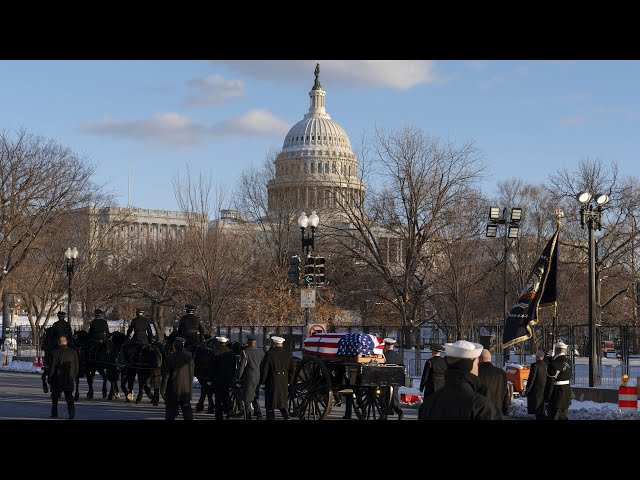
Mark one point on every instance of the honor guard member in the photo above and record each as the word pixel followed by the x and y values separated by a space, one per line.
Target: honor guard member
pixel 141 328
pixel 98 327
pixel 190 326
pixel 536 384
pixel 248 375
pixel 276 374
pixel 59 327
pixel 177 381
pixel 433 374
pixel 62 374
pixel 460 398
pixel 391 356
pixel 224 369
pixel 558 388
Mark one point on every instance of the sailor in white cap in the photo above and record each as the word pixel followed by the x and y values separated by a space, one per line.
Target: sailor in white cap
pixel 558 388
pixel 276 373
pixel 224 366
pixel 393 357
pixel 460 398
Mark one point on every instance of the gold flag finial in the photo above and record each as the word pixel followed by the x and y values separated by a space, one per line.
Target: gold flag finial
pixel 559 214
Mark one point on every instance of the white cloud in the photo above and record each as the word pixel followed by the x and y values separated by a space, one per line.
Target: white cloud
pixel 178 130
pixel 397 74
pixel 213 90
pixel 254 122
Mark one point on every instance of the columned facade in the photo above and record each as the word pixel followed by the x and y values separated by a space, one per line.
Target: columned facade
pixel 316 169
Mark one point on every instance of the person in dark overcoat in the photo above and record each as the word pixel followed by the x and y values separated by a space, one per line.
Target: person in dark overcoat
pixel 62 374
pixel 276 374
pixel 98 327
pixel 190 326
pixel 58 328
pixel 534 392
pixel 558 387
pixel 392 356
pixel 460 398
pixel 493 382
pixel 224 368
pixel 248 375
pixel 177 381
pixel 433 374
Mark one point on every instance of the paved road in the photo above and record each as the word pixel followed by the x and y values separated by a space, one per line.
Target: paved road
pixel 21 397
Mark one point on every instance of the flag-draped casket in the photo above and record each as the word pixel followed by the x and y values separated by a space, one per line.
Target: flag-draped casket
pixel 341 345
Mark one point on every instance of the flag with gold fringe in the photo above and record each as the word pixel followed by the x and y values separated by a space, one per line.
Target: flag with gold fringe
pixel 539 291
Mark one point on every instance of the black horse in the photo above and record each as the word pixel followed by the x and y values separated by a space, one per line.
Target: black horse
pixel 146 363
pixel 96 357
pixel 203 370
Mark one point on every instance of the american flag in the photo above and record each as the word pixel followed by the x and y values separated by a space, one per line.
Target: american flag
pixel 343 344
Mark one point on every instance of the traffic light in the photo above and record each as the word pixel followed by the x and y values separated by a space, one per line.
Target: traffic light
pixel 294 270
pixel 309 270
pixel 318 270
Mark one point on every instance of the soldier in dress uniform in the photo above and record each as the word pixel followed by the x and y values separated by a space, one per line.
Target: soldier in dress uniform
pixel 248 374
pixel 276 374
pixel 61 327
pixel 177 381
pixel 190 326
pixel 98 327
pixel 391 356
pixel 224 367
pixel 433 374
pixel 142 335
pixel 558 388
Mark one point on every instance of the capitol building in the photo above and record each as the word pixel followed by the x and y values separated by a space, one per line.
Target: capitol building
pixel 316 169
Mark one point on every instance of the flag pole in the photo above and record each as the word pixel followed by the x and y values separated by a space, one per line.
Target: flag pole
pixel 554 331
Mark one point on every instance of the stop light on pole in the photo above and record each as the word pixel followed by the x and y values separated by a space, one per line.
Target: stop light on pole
pixel 309 270
pixel 294 270
pixel 318 270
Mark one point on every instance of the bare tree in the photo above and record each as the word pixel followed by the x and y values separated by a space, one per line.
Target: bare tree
pixel 421 180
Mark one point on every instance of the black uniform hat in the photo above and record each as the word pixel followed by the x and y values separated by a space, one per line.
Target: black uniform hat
pixel 250 336
pixel 179 340
pixel 140 310
pixel 437 347
pixel 62 314
pixel 189 308
pixel 98 313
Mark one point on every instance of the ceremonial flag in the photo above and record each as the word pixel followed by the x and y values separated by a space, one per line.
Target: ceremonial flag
pixel 539 291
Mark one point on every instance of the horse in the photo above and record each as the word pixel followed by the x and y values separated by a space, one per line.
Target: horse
pixel 95 357
pixel 203 370
pixel 146 363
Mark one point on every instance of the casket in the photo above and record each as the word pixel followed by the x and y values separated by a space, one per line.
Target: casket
pixel 357 347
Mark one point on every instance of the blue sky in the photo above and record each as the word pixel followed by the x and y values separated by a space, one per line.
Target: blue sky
pixel 529 118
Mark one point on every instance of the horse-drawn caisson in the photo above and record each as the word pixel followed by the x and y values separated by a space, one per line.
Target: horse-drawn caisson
pixel 345 364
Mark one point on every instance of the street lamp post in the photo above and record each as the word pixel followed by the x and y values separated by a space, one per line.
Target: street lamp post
pixel 512 227
pixel 70 254
pixel 307 241
pixel 591 216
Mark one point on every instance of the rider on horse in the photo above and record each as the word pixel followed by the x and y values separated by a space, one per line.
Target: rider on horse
pixel 98 333
pixel 142 335
pixel 190 328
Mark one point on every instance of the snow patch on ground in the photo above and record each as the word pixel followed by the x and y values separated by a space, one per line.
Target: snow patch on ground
pixel 586 410
pixel 20 366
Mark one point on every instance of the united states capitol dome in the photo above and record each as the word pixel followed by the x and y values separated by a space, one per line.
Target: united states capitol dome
pixel 316 169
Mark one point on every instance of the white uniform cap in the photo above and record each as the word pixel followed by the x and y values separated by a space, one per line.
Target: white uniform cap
pixel 275 339
pixel 222 339
pixel 561 345
pixel 463 349
pixel 389 341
